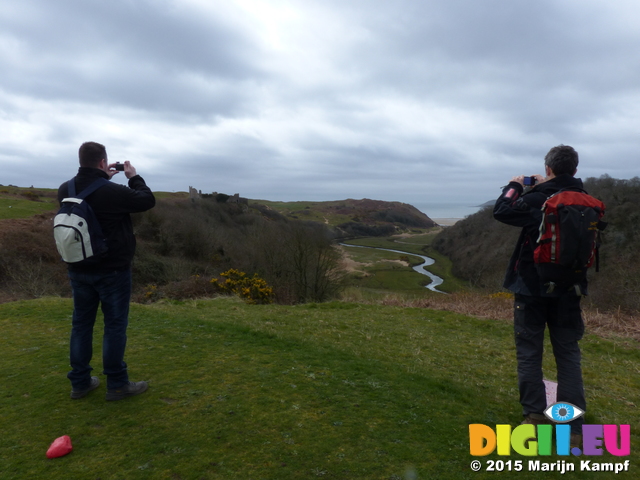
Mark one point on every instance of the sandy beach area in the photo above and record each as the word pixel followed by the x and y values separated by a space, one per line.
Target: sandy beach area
pixel 446 222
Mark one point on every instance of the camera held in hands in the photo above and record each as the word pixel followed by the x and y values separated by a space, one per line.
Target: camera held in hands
pixel 119 167
pixel 529 181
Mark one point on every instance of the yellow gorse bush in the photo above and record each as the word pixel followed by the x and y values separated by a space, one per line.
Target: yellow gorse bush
pixel 502 295
pixel 151 293
pixel 254 289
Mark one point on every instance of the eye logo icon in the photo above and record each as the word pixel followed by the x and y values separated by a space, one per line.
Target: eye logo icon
pixel 563 412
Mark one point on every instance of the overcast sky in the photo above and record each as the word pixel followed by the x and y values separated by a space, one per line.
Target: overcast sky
pixel 436 103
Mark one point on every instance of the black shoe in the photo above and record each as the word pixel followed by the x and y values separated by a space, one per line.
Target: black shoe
pixel 128 390
pixel 76 394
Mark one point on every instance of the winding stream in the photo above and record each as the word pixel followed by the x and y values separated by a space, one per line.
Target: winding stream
pixel 436 281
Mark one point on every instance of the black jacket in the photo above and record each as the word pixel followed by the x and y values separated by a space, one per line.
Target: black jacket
pixel 525 210
pixel 113 204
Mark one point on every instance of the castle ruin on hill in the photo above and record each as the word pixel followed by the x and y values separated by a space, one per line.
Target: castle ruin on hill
pixel 218 197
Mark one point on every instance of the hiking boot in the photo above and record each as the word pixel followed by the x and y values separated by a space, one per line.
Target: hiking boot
pixel 128 390
pixel 576 440
pixel 76 394
pixel 536 419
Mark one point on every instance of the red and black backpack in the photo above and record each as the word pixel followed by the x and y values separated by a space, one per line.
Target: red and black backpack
pixel 569 238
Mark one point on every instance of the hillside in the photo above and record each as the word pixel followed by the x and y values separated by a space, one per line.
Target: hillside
pixel 348 217
pixel 290 246
pixel 363 217
pixel 287 244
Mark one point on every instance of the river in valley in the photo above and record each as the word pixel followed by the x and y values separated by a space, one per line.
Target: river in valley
pixel 436 281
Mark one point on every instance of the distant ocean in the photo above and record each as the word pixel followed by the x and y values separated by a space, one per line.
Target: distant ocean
pixel 446 210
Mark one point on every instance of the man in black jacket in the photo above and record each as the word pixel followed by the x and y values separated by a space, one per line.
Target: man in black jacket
pixel 535 306
pixel 106 281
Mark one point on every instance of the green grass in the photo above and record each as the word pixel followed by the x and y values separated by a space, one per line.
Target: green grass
pixel 337 390
pixel 14 207
pixel 314 211
pixel 19 202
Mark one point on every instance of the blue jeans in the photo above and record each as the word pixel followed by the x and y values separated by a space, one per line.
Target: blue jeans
pixel 112 290
pixel 563 316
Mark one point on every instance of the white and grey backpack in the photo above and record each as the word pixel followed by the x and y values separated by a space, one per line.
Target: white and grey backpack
pixel 78 234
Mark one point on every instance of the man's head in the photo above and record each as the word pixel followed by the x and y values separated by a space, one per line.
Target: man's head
pixel 562 159
pixel 92 154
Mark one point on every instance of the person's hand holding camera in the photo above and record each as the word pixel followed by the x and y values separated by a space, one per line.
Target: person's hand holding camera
pixel 129 170
pixel 126 167
pixel 526 181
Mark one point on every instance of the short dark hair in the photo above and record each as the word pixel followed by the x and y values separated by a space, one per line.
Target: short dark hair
pixel 562 159
pixel 91 153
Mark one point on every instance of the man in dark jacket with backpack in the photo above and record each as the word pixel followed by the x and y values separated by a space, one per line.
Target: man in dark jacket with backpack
pixel 536 304
pixel 105 279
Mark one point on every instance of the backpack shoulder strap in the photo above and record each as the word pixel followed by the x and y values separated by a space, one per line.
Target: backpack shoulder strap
pixel 87 191
pixel 71 187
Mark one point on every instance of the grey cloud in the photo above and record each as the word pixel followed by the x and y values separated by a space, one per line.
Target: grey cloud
pixel 146 55
pixel 142 32
pixel 546 64
pixel 427 101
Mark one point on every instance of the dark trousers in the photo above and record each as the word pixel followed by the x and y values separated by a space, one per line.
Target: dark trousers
pixel 564 318
pixel 112 291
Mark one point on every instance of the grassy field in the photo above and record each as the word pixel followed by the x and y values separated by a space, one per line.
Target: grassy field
pixel 18 202
pixel 336 390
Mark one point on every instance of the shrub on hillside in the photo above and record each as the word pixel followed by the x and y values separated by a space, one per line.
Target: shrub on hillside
pixel 31 195
pixel 30 265
pixel 404 218
pixel 179 239
pixel 252 289
pixel 479 248
pixel 356 229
